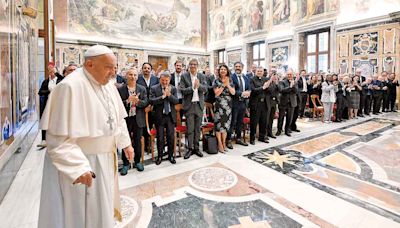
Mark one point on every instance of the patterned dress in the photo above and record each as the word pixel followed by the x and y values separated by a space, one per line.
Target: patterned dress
pixel 222 109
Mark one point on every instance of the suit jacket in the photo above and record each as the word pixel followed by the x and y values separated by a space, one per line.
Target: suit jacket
pixel 44 92
pixel 272 95
pixel 140 106
pixel 187 90
pixel 250 75
pixel 238 95
pixel 257 91
pixel 210 96
pixel 156 93
pixel 288 95
pixel 153 81
pixel 300 85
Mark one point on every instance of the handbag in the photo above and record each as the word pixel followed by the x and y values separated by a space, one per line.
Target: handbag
pixel 210 144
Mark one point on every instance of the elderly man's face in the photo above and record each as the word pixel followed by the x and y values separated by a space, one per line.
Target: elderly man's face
pixel 289 75
pixel 102 67
pixel 164 81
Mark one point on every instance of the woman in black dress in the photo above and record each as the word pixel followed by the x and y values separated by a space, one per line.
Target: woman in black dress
pixel 224 90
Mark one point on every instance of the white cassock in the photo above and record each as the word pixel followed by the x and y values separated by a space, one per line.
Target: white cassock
pixel 80 139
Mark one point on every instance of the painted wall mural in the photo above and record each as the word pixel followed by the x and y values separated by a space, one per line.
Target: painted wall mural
pixel 281 11
pixel 312 7
pixel 257 11
pixel 236 22
pixel 170 21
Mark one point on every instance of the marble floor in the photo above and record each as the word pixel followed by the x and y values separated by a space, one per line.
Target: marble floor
pixel 329 175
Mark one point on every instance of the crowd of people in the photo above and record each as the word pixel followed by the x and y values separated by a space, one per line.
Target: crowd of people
pixel 258 96
pixel 91 112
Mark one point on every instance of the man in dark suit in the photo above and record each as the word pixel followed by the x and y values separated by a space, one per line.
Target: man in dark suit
pixel 340 98
pixel 258 106
pixel 303 91
pixel 163 97
pixel 393 83
pixel 377 94
pixel 44 92
pixel 271 98
pixel 147 80
pixel 134 97
pixel 193 87
pixel 363 95
pixel 385 94
pixel 176 79
pixel 242 88
pixel 287 103
pixel 252 72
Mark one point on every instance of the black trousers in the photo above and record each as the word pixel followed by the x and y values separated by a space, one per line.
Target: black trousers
pixel 362 103
pixel 293 125
pixel 238 112
pixel 285 112
pixel 270 118
pixel 368 103
pixel 377 102
pixel 385 101
pixel 303 101
pixel 135 132
pixel 166 123
pixel 258 117
pixel 339 107
pixel 392 100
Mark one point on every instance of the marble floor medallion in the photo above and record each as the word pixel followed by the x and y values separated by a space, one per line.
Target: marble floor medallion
pixel 213 179
pixel 129 208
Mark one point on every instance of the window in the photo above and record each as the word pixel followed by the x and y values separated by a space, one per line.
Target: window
pixel 221 56
pixel 259 54
pixel 318 51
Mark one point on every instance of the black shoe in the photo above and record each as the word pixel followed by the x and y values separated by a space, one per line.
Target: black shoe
pixel 296 130
pixel 252 142
pixel 240 142
pixel 361 115
pixel 278 133
pixel 290 131
pixel 229 144
pixel 159 160
pixel 263 140
pixel 124 170
pixel 198 152
pixel 188 154
pixel 172 160
pixel 288 134
pixel 272 136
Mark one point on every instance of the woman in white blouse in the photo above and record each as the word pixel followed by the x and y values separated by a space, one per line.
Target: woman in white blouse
pixel 328 97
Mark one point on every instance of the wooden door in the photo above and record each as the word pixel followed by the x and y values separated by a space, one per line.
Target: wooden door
pixel 159 63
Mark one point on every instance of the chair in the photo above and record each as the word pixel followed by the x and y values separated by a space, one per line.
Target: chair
pixel 151 131
pixel 318 110
pixel 246 127
pixel 180 129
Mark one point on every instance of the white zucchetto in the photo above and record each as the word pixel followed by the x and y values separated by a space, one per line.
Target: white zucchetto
pixel 97 50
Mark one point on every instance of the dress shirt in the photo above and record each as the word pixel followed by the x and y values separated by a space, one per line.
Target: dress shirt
pixel 52 83
pixel 195 97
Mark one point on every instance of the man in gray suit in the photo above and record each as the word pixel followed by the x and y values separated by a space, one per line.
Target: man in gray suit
pixel 193 87
pixel 287 103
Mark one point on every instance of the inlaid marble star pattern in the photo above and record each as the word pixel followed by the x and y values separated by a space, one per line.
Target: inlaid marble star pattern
pixel 277 158
pixel 369 147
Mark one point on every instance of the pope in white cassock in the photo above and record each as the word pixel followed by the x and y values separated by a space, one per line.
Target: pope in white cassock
pixel 85 124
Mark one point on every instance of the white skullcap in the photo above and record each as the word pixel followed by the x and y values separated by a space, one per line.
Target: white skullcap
pixel 97 50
